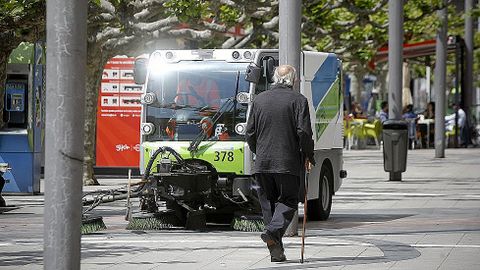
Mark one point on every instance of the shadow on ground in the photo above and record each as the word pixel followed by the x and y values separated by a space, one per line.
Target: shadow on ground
pixel 342 221
pixel 392 251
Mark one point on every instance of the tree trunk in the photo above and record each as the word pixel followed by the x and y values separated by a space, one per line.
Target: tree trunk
pixel 382 84
pixel 95 63
pixel 406 92
pixel 359 74
pixel 4 54
pixel 3 77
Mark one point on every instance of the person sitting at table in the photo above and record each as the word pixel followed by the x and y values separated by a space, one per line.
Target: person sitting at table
pixel 427 127
pixel 411 119
pixel 357 110
pixel 430 111
pixel 408 112
pixel 383 115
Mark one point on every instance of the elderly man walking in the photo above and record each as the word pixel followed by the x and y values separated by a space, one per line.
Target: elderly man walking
pixel 280 134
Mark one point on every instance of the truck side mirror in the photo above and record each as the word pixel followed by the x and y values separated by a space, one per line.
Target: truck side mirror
pixel 140 70
pixel 253 74
pixel 269 68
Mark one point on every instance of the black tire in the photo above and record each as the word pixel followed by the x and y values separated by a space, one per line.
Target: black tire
pixel 319 209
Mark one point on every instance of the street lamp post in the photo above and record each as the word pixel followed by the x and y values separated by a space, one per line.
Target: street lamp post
pixel 395 70
pixel 66 64
pixel 470 96
pixel 440 82
pixel 290 12
pixel 395 58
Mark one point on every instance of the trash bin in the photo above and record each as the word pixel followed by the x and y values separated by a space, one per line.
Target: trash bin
pixel 395 147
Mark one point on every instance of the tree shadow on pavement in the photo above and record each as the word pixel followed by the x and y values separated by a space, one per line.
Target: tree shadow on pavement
pixel 21 258
pixel 392 251
pixel 342 221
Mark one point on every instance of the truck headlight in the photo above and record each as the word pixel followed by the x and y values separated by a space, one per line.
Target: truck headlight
pixel 236 55
pixel 169 55
pixel 240 128
pixel 156 55
pixel 147 128
pixel 148 98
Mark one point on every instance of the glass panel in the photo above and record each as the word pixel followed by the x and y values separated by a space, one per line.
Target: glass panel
pixel 190 94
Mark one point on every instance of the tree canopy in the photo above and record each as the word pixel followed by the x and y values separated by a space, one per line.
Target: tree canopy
pixel 354 29
pixel 138 26
pixel 20 20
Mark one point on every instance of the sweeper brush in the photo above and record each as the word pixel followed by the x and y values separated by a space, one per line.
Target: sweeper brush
pixel 156 221
pixel 248 223
pixel 185 193
pixel 91 224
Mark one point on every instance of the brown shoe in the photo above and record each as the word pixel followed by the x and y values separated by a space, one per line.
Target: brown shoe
pixel 268 238
pixel 277 253
pixel 275 247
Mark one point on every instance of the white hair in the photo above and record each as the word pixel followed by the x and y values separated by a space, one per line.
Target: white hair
pixel 284 75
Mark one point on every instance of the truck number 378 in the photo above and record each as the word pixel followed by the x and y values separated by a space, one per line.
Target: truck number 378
pixel 224 155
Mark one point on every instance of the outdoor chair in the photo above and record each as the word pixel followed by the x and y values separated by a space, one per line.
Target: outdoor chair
pixel 353 133
pixel 450 137
pixel 412 132
pixel 347 134
pixel 373 130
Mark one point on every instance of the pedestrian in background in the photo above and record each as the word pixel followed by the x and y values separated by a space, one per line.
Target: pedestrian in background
pixel 463 138
pixel 450 119
pixel 279 133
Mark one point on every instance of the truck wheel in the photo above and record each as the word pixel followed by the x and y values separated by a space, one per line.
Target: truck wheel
pixel 319 209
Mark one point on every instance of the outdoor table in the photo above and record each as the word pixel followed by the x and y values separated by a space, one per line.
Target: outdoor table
pixel 427 122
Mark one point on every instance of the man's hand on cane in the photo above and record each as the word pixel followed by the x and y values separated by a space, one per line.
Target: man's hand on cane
pixel 308 165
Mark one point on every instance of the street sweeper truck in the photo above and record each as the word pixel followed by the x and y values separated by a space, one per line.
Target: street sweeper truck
pixel 196 164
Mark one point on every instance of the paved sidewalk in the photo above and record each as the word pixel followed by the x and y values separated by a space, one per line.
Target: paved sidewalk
pixel 430 220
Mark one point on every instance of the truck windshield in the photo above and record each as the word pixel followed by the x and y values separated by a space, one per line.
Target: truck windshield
pixel 189 95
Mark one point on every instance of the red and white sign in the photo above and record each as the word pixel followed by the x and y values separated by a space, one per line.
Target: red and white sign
pixel 118 116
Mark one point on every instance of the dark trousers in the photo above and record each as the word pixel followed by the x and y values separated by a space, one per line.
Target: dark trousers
pixel 278 195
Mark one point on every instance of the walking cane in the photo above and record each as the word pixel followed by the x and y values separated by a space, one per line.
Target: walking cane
pixel 304 214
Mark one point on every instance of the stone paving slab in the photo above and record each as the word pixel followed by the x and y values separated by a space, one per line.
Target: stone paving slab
pixel 461 258
pixel 430 220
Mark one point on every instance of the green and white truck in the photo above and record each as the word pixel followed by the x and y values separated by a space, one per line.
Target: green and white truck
pixel 194 112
